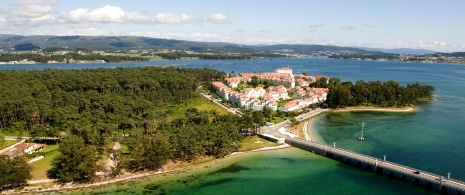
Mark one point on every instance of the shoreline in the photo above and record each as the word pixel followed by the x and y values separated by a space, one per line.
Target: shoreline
pixel 311 133
pixel 308 130
pixel 135 176
pixel 375 109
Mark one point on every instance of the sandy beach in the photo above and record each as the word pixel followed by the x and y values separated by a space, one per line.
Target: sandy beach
pixel 312 132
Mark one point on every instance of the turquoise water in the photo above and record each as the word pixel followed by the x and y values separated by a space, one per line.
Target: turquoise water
pixel 289 171
pixel 431 139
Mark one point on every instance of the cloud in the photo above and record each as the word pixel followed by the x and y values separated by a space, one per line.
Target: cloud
pixel 315 27
pixel 218 18
pixel 106 14
pixel 29 8
pixel 264 31
pixel 240 31
pixel 23 13
pixel 174 19
pixel 348 28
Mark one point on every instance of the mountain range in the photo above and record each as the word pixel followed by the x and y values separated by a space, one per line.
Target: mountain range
pixel 117 43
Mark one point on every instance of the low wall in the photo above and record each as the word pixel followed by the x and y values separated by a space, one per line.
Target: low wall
pixel 272 138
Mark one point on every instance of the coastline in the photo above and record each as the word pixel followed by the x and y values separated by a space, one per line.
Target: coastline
pixel 308 130
pixel 311 132
pixel 375 109
pixel 134 177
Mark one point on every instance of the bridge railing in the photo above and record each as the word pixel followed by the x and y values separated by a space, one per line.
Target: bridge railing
pixel 328 148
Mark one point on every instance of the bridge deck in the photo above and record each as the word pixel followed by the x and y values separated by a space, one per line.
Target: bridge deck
pixel 375 162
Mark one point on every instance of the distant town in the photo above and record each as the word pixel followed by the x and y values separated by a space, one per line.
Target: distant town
pixel 61 55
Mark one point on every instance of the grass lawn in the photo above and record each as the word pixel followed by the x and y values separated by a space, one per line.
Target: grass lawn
pixel 14 133
pixel 8 143
pixel 200 103
pixel 40 167
pixel 277 120
pixel 255 142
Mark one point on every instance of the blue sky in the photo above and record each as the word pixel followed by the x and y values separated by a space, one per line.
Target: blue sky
pixel 427 24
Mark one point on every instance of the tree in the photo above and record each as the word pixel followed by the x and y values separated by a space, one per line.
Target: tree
pixel 75 163
pixel 334 81
pixel 294 121
pixel 257 118
pixel 2 139
pixel 14 172
pixel 151 153
pixel 254 81
pixel 304 73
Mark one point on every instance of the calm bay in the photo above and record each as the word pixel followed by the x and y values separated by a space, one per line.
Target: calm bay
pixel 431 139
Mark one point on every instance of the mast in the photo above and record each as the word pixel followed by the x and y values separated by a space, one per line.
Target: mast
pixel 361 138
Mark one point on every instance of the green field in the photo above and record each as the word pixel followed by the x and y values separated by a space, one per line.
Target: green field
pixel 255 142
pixel 39 168
pixel 7 143
pixel 14 133
pixel 200 103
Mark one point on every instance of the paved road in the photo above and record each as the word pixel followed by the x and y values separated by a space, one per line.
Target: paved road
pixel 274 129
pixel 40 181
pixel 229 109
pixel 15 138
pixel 23 137
pixel 310 114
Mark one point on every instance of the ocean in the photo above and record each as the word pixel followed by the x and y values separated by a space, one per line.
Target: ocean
pixel 431 139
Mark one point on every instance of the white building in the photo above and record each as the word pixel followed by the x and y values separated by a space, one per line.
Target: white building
pixel 284 70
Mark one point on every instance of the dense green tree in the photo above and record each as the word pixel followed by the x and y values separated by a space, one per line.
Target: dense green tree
pixel 320 83
pixel 257 118
pixel 99 105
pixel 14 172
pixel 254 81
pixel 333 81
pixel 151 153
pixel 376 93
pixel 75 163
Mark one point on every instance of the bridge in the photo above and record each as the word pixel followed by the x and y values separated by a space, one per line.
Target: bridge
pixel 381 166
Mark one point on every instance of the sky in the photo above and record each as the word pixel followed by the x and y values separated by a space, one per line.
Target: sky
pixel 437 25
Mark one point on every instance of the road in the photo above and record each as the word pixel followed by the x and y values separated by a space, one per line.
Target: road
pixel 23 137
pixel 229 109
pixel 386 165
pixel 310 114
pixel 274 129
pixel 401 169
pixel 15 138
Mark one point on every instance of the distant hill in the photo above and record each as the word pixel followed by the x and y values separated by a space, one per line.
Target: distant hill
pixel 307 49
pixel 112 43
pixel 117 43
pixel 400 51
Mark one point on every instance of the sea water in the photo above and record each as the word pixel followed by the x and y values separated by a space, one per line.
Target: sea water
pixel 286 171
pixel 431 139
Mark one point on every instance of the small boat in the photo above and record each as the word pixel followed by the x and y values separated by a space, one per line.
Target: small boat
pixel 361 138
